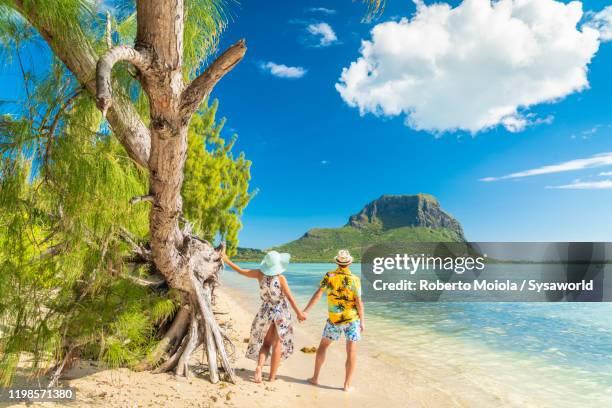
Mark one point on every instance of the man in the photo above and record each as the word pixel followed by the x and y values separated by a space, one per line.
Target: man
pixel 345 309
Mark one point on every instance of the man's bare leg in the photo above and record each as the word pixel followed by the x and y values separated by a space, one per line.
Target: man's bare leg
pixel 351 361
pixel 319 360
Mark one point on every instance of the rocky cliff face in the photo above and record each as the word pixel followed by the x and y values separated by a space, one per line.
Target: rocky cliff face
pixel 395 211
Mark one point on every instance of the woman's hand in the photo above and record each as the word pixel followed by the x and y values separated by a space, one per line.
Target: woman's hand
pixel 301 316
pixel 224 257
pixel 362 326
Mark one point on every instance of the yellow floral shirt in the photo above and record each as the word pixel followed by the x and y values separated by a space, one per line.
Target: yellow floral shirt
pixel 342 288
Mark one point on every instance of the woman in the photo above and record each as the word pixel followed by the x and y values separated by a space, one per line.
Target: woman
pixel 272 328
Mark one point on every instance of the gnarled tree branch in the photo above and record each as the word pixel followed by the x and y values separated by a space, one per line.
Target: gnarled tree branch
pixel 76 52
pixel 139 250
pixel 105 66
pixel 149 198
pixel 156 282
pixel 54 124
pixel 109 31
pixel 200 88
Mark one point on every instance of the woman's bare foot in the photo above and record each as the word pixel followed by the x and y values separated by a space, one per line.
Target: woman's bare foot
pixel 258 374
pixel 313 381
pixel 348 388
pixel 271 379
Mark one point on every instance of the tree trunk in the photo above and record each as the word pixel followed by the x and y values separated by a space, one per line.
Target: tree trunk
pixel 186 262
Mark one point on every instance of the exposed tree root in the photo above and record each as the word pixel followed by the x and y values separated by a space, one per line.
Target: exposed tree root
pixel 171 362
pixel 171 340
pixel 211 354
pixel 182 368
pixel 59 369
pixel 199 276
pixel 204 296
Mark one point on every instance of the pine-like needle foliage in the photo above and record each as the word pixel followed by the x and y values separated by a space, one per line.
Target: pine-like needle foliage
pixel 215 191
pixel 67 268
pixel 64 269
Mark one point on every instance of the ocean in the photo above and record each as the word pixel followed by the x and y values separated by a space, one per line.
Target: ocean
pixel 527 354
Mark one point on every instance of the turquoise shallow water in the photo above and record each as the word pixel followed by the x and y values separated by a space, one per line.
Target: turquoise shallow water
pixel 531 354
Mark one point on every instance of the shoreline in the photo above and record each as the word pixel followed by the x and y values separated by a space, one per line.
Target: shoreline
pixel 416 378
pixel 375 380
pixel 441 369
pixel 397 384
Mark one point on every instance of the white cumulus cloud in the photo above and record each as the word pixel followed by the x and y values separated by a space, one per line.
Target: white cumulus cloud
pixel 323 10
pixel 586 185
pixel 324 33
pixel 602 22
pixel 599 160
pixel 282 70
pixel 471 67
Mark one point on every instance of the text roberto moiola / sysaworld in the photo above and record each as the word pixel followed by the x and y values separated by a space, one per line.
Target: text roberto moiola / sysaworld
pixel 411 264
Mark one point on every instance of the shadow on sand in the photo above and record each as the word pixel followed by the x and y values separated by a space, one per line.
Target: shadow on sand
pixel 247 375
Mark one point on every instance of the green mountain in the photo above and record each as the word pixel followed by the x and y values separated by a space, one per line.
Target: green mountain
pixel 390 218
pixel 248 255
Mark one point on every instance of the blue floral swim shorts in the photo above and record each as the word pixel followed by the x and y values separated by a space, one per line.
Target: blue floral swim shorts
pixel 352 331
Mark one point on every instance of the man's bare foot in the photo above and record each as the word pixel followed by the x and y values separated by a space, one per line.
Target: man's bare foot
pixel 313 381
pixel 348 388
pixel 258 374
pixel 271 379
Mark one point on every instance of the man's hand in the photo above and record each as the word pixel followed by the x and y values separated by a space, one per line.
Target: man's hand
pixel 362 326
pixel 302 316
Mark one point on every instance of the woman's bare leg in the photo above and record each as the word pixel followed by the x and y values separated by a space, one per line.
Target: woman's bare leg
pixel 277 351
pixel 263 352
pixel 260 363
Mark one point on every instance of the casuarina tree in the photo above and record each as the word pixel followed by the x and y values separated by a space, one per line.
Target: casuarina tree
pixel 157 142
pixel 186 262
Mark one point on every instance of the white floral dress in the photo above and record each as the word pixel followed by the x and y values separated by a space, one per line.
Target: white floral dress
pixel 274 309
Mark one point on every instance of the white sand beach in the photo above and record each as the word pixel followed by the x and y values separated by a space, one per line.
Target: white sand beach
pixel 376 382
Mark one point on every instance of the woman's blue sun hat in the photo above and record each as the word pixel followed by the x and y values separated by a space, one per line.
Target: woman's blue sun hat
pixel 274 263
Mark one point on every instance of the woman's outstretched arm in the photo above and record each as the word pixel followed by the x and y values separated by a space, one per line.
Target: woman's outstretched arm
pixel 249 273
pixel 287 292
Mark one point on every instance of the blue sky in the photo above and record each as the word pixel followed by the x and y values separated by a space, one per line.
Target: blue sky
pixel 317 160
